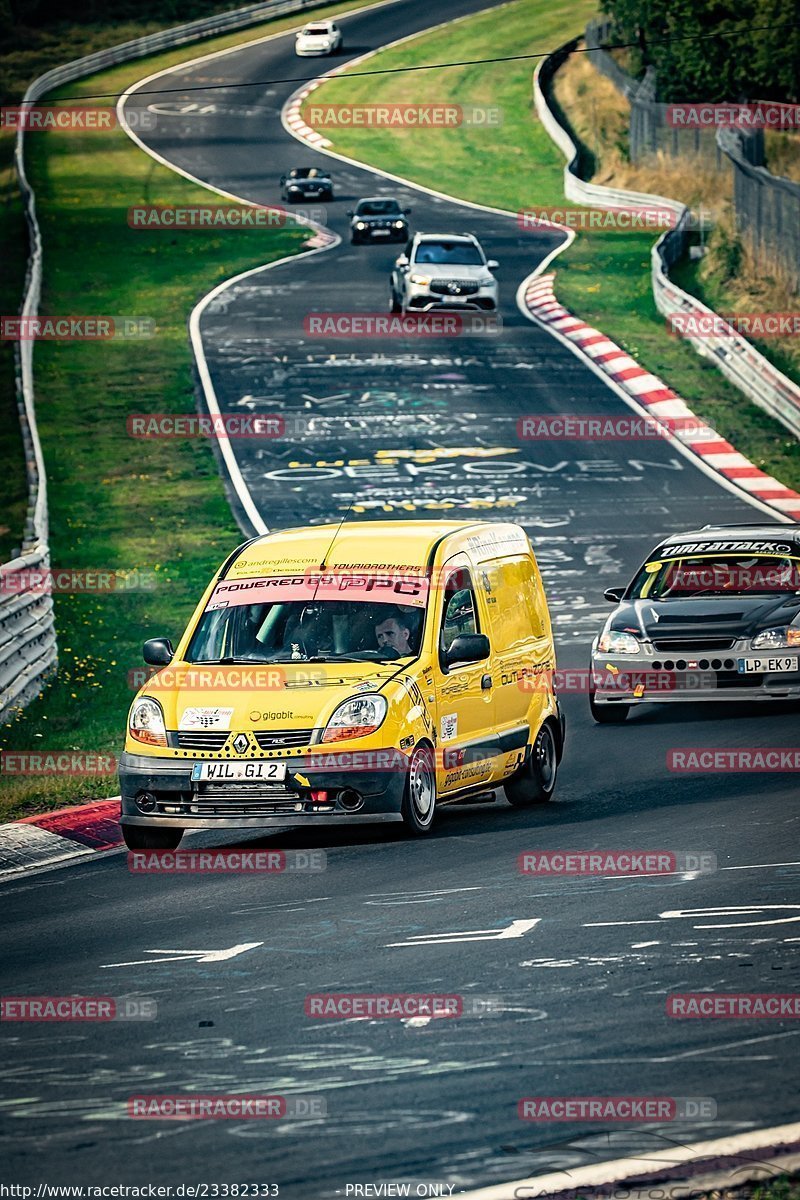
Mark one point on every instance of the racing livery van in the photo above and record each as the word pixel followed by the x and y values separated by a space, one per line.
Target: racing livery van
pixel 360 673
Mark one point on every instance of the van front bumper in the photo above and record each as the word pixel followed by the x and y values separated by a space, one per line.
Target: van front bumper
pixel 172 800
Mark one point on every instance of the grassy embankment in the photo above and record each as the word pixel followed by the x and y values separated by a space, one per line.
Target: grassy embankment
pixel 604 277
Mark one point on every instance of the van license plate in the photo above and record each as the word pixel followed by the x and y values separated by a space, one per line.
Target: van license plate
pixel 770 666
pixel 213 771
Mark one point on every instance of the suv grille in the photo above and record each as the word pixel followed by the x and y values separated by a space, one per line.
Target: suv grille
pixel 454 287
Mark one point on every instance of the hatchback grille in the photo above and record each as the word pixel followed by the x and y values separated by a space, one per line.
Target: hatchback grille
pixel 693 645
pixel 278 739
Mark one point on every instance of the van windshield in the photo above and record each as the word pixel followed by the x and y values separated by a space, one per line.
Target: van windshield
pixel 294 619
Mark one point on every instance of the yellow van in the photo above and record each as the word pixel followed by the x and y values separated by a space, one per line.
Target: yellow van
pixel 366 672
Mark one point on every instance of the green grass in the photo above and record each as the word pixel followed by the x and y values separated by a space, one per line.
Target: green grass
pixel 116 502
pixel 604 277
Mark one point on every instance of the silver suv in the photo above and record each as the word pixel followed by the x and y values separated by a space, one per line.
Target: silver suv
pixel 443 270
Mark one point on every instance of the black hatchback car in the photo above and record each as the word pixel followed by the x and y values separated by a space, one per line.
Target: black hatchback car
pixel 306 183
pixel 379 219
pixel 712 614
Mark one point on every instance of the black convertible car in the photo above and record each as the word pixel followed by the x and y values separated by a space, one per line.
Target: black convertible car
pixel 712 614
pixel 306 183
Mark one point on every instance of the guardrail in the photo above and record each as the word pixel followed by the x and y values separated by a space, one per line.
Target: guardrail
pixel 28 649
pixel 736 358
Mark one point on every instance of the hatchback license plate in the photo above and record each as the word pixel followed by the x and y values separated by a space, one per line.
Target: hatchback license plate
pixel 769 666
pixel 208 772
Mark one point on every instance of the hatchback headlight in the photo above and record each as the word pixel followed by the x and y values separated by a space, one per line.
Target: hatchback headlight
pixel 361 224
pixel 146 722
pixel 487 281
pixel 778 638
pixel 613 641
pixel 422 280
pixel 356 718
pixel 399 224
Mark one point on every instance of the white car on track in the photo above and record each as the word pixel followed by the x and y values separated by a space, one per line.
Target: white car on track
pixel 317 38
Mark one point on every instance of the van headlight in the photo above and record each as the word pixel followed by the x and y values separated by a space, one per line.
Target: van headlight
pixel 778 639
pixel 146 722
pixel 421 280
pixel 613 641
pixel 356 718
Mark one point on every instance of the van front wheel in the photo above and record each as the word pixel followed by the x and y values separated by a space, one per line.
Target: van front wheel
pixel 419 798
pixel 535 783
pixel 144 837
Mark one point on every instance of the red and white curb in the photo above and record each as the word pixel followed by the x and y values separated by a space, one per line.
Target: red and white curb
pixel 678 1171
pixel 293 118
pixel 59 837
pixel 657 400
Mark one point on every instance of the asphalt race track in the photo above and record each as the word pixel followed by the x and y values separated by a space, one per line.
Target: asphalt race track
pixel 399 429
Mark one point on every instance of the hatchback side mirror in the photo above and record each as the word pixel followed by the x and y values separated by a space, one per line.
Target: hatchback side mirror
pixel 350 212
pixel 158 652
pixel 467 648
pixel 614 595
pixel 408 211
pixel 402 261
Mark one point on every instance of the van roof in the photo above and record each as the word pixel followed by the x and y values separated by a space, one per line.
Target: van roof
pixel 358 545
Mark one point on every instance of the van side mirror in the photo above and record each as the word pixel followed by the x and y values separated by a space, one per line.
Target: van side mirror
pixel 408 211
pixel 158 652
pixel 614 595
pixel 467 648
pixel 493 264
pixel 350 212
pixel 402 261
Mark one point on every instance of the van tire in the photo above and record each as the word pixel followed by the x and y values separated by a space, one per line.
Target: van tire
pixel 145 837
pixel 419 796
pixel 535 782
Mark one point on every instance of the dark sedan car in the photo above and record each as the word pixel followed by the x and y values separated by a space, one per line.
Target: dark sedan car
pixel 712 614
pixel 306 183
pixel 378 219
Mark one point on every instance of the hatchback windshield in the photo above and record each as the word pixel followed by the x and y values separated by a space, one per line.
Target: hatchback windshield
pixel 465 254
pixel 294 619
pixel 377 208
pixel 725 575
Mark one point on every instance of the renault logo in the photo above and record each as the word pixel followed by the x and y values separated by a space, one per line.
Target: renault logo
pixel 240 743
